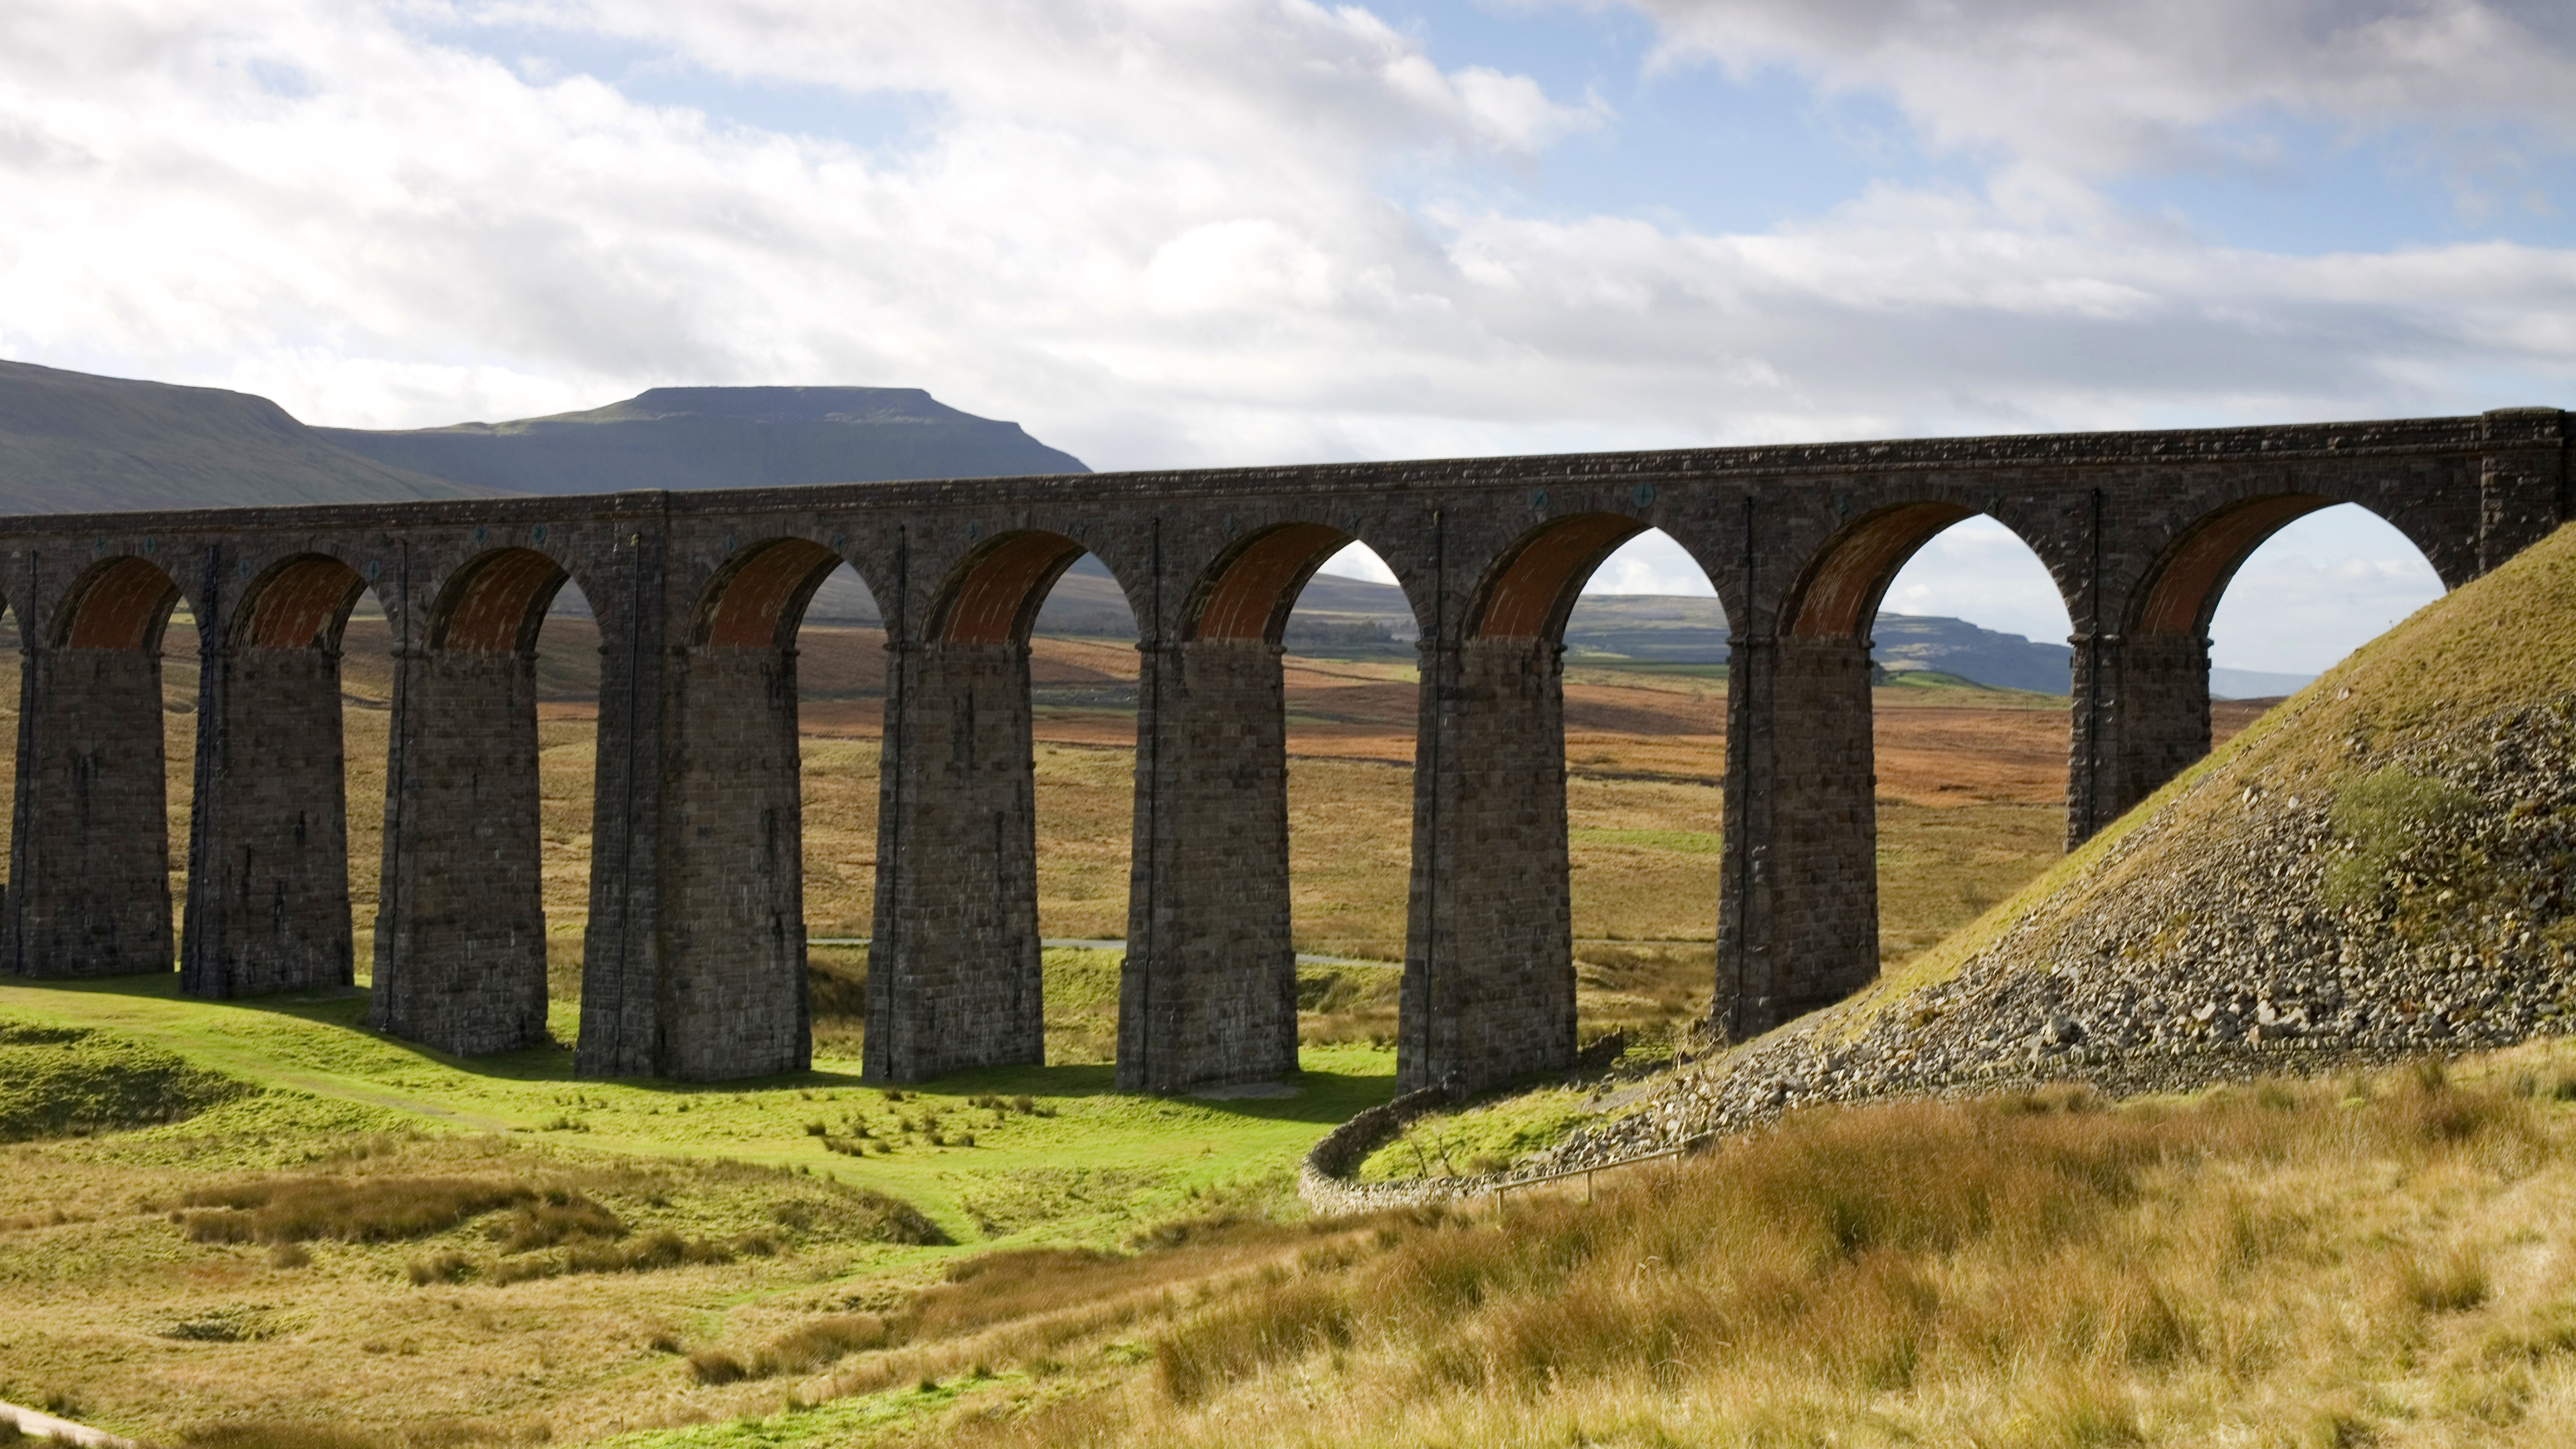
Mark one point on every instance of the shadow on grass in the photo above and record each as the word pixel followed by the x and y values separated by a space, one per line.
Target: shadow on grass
pixel 1323 1094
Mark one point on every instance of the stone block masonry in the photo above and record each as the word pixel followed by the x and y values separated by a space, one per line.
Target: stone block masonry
pixel 1823 827
pixel 271 912
pixel 461 922
pixel 693 944
pixel 90 840
pixel 953 969
pixel 1488 989
pixel 1208 995
pixel 736 958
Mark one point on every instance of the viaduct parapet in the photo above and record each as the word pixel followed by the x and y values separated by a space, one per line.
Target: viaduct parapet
pixel 694 956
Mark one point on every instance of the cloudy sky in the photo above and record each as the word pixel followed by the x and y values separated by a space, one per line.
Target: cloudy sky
pixel 1229 231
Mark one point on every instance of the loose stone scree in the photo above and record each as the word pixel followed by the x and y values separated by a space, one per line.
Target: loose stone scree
pixel 693 960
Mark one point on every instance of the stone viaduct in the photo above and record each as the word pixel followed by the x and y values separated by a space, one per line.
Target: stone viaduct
pixel 694 957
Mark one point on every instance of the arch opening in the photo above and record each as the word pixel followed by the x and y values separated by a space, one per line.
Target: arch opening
pixel 1347 665
pixel 840 716
pixel 2311 591
pixel 1920 767
pixel 1644 747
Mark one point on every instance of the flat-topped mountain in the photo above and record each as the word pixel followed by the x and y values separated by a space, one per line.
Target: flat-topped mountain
pixel 71 442
pixel 719 437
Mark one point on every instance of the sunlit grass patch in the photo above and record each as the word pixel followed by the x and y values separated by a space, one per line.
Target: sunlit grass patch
pixel 1480 1139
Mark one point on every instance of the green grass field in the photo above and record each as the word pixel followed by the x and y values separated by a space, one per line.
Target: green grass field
pixel 1028 1175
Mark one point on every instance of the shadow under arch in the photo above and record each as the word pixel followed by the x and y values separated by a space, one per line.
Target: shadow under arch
pixel 758 598
pixel 1252 588
pixel 1838 593
pixel 496 602
pixel 994 594
pixel 269 905
pixel 302 601
pixel 1531 588
pixel 123 602
pixel 89 880
pixel 460 952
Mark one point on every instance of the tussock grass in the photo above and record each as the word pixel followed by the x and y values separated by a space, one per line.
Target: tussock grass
pixel 2044 1269
pixel 350 1210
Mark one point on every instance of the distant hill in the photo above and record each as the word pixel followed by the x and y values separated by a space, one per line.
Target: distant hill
pixel 2254 683
pixel 1344 616
pixel 71 442
pixel 719 437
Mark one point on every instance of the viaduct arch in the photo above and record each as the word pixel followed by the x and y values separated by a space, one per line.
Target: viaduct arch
pixel 694 950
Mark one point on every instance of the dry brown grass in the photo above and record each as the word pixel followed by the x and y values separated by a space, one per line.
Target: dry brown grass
pixel 2285 1263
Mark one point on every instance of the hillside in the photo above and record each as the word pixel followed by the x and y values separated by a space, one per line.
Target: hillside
pixel 2376 868
pixel 71 442
pixel 719 437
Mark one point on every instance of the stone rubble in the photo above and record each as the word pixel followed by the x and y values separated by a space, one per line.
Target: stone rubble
pixel 2219 960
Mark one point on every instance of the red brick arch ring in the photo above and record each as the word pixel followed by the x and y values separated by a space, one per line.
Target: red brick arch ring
pixel 1839 593
pixel 117 603
pixel 1252 588
pixel 758 598
pixel 300 602
pixel 496 602
pixel 993 596
pixel 1531 588
pixel 2188 580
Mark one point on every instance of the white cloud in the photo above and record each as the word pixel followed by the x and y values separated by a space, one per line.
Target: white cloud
pixel 2089 88
pixel 1151 230
pixel 2318 590
pixel 1981 571
pixel 1650 563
